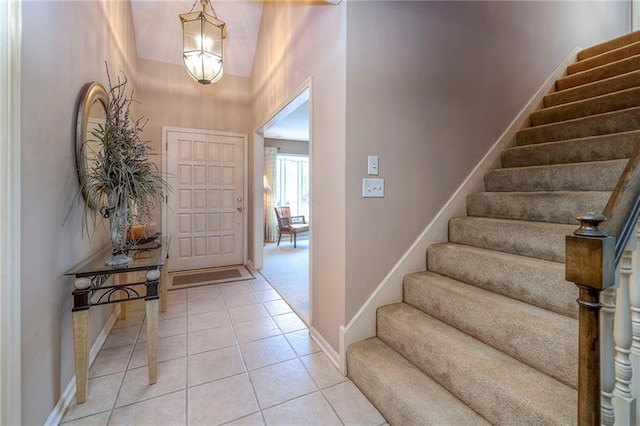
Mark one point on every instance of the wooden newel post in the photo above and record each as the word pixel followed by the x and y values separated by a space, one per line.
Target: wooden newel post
pixel 589 263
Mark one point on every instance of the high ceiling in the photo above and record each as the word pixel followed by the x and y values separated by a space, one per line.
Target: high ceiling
pixel 159 38
pixel 159 32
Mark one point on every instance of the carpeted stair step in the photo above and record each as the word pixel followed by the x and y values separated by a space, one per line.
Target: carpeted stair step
pixel 556 206
pixel 597 88
pixel 622 66
pixel 542 339
pixel 616 101
pixel 594 125
pixel 591 176
pixel 609 45
pixel 488 333
pixel 534 281
pixel 501 389
pixel 402 393
pixel 538 240
pixel 594 148
pixel 605 58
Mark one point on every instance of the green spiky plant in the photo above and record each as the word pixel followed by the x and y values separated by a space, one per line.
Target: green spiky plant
pixel 122 172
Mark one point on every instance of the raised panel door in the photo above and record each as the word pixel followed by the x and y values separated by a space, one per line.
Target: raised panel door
pixel 205 217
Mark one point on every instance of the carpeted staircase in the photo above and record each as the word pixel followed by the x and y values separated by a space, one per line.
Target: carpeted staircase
pixel 488 333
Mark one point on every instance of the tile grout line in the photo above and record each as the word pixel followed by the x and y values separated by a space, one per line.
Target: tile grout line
pixel 244 363
pixel 138 334
pixel 237 345
pixel 126 369
pixel 320 389
pixel 234 327
pixel 299 314
pixel 297 357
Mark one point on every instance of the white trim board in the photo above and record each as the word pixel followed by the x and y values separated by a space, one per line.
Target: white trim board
pixel 331 353
pixel 363 324
pixel 67 397
pixel 10 305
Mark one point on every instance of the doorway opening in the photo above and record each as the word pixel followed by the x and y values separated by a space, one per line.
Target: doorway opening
pixel 287 183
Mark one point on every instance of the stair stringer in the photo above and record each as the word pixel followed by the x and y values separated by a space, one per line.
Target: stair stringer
pixel 363 324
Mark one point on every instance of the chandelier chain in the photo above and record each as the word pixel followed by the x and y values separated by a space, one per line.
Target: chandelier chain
pixel 204 4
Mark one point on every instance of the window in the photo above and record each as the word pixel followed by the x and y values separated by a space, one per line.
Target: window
pixel 293 183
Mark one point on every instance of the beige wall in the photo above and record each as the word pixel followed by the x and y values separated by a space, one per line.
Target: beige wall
pixel 65 45
pixel 430 87
pixel 170 97
pixel 286 146
pixel 298 40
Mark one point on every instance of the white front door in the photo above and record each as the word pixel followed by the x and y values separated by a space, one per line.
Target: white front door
pixel 205 219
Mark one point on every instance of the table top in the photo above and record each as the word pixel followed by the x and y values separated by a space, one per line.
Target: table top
pixel 145 257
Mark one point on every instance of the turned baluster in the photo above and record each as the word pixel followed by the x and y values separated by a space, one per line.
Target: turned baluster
pixel 624 401
pixel 607 355
pixel 634 301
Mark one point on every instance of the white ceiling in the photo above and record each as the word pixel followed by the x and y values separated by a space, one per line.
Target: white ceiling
pixel 292 121
pixel 159 32
pixel 159 38
pixel 293 126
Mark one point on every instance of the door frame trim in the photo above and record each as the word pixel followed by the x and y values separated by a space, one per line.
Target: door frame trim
pixel 245 172
pixel 10 232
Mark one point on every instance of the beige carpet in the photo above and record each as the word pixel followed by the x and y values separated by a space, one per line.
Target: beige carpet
pixel 199 277
pixel 287 270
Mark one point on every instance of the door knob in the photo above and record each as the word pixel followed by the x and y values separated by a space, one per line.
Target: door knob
pixel 239 208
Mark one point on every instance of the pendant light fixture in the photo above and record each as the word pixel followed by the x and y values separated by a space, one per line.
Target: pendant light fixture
pixel 203 36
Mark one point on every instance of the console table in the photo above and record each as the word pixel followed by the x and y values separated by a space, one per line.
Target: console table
pixel 91 290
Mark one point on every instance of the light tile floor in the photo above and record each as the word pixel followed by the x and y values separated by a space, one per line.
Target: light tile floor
pixel 228 354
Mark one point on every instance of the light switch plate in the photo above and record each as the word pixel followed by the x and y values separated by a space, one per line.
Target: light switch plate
pixel 372 188
pixel 372 165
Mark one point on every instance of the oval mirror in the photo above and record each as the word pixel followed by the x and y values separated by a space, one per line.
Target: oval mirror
pixel 92 112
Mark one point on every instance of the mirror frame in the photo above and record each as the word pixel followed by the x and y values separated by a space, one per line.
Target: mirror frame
pixel 91 93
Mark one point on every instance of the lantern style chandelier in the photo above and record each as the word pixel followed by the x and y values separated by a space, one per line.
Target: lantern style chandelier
pixel 203 36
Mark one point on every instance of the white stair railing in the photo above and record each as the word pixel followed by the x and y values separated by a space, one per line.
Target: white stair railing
pixel 624 401
pixel 634 301
pixel 620 341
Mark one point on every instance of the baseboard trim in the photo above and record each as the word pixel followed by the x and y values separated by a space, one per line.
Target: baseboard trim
pixel 343 351
pixel 325 346
pixel 66 399
pixel 363 324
